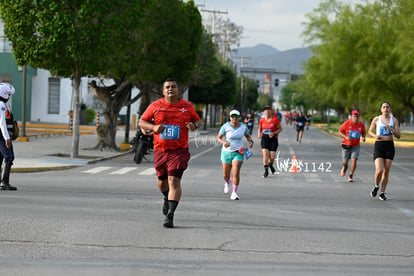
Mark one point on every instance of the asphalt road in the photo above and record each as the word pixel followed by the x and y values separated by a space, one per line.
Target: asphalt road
pixel 105 218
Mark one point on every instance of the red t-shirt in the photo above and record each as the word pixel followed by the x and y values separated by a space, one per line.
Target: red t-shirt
pixel 173 117
pixel 355 131
pixel 271 125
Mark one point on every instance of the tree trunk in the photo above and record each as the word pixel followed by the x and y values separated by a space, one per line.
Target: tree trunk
pixel 114 97
pixel 205 117
pixel 112 122
pixel 145 99
pixel 76 116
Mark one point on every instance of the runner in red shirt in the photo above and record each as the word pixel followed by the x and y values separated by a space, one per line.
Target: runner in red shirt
pixel 288 118
pixel 351 132
pixel 173 118
pixel 269 129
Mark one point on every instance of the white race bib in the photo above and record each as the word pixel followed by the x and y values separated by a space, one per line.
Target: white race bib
pixel 171 132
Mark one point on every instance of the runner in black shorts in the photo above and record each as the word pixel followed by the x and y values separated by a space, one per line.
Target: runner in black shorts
pixel 383 128
pixel 300 126
pixel 269 129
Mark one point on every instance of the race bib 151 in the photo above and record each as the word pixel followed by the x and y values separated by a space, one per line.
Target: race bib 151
pixel 171 132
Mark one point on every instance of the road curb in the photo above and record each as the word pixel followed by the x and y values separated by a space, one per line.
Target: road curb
pixel 370 140
pixel 67 167
pixel 109 157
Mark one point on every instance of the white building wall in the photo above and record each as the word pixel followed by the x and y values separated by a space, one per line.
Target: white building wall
pixel 40 93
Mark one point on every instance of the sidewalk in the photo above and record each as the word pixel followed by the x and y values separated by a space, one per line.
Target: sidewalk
pixel 53 152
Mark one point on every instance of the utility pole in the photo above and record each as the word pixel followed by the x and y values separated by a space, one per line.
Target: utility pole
pixel 213 27
pixel 213 20
pixel 213 31
pixel 243 94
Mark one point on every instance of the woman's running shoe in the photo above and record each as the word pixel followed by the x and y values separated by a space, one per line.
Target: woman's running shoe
pixel 374 191
pixel 234 196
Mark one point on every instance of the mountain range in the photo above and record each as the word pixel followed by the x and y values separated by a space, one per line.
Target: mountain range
pixel 265 56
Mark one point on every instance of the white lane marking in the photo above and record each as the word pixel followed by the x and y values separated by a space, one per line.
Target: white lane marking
pixel 313 177
pixel 97 170
pixel 291 150
pixel 401 167
pixel 408 212
pixel 393 163
pixel 204 152
pixel 337 178
pixel 149 171
pixel 124 170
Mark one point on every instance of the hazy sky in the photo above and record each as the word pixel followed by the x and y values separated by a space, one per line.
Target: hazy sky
pixel 277 23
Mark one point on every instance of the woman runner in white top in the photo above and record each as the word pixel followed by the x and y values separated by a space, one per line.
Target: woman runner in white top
pixel 231 152
pixel 383 128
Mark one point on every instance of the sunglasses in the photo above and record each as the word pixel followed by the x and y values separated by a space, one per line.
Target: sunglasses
pixel 235 116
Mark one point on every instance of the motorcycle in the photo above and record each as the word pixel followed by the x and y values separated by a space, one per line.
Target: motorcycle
pixel 142 144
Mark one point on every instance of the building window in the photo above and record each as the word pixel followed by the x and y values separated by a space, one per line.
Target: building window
pixel 5 46
pixel 53 104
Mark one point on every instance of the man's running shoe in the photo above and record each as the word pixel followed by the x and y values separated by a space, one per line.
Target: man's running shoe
pixel 234 196
pixel 350 178
pixel 7 187
pixel 374 191
pixel 272 169
pixel 266 174
pixel 168 222
pixel 165 207
pixel 382 196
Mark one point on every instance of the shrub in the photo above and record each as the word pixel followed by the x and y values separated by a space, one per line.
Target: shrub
pixel 91 114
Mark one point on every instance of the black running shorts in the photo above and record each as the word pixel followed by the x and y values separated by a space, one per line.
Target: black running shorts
pixel 269 143
pixel 384 149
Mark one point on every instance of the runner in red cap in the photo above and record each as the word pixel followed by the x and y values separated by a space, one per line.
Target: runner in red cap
pixel 269 129
pixel 351 132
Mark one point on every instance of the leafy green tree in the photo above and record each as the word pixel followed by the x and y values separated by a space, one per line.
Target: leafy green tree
pixel 263 100
pixel 286 97
pixel 207 72
pixel 151 46
pixel 225 89
pixel 132 42
pixel 221 93
pixel 207 69
pixel 246 97
pixel 252 94
pixel 64 37
pixel 363 54
pixel 227 36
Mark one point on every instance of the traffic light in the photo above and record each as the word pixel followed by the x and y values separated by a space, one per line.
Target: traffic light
pixel 276 82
